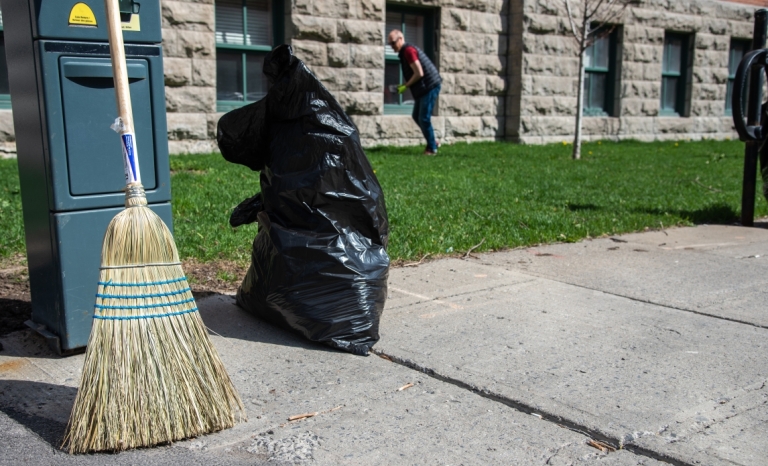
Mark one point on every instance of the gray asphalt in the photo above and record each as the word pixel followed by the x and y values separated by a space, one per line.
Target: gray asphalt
pixel 641 349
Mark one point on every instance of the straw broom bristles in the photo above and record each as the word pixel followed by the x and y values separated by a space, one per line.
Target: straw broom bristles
pixel 151 374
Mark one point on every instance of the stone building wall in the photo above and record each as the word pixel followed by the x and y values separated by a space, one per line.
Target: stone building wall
pixel 343 44
pixel 473 49
pixel 549 71
pixel 189 64
pixel 509 69
pixel 7 135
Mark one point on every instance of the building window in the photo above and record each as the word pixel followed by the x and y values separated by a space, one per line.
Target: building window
pixel 739 48
pixel 674 74
pixel 5 90
pixel 246 30
pixel 418 29
pixel 599 76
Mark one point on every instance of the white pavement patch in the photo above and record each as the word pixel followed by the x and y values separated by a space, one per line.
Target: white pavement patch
pixel 296 449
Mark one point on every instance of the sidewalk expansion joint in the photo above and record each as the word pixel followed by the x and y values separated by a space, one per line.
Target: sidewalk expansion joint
pixel 590 434
pixel 682 309
pixel 440 299
pixel 648 301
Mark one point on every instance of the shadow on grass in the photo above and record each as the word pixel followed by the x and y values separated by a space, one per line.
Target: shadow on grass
pixel 583 207
pixel 394 150
pixel 716 213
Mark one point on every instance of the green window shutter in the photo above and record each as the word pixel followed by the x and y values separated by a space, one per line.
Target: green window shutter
pixel 246 30
pixel 599 76
pixel 738 48
pixel 229 22
pixel 674 74
pixel 259 23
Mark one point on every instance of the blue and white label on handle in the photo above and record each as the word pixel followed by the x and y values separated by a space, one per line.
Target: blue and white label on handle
pixel 130 158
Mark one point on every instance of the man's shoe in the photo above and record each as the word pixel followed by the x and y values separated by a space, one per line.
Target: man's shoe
pixel 429 152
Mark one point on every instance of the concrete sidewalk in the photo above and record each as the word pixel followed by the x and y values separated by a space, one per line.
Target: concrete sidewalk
pixel 652 345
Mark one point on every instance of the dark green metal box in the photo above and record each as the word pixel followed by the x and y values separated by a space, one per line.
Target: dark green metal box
pixel 70 165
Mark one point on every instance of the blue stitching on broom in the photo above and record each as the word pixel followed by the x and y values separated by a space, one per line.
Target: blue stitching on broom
pixel 146 306
pixel 142 296
pixel 95 316
pixel 110 283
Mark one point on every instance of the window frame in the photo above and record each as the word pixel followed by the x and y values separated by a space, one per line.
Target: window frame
pixel 5 99
pixel 746 46
pixel 429 15
pixel 607 108
pixel 682 76
pixel 278 13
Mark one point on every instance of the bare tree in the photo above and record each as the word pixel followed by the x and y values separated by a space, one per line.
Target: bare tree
pixel 590 21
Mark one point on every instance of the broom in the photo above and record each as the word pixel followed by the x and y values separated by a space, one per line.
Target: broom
pixel 151 374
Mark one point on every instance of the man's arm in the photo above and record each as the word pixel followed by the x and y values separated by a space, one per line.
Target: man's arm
pixel 418 73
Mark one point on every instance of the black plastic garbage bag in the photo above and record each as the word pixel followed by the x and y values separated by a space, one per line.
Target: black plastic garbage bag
pixel 319 263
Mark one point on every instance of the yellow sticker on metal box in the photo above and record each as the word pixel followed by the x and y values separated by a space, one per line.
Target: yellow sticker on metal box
pixel 82 15
pixel 132 25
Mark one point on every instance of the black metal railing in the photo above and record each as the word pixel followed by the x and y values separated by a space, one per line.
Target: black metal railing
pixel 750 116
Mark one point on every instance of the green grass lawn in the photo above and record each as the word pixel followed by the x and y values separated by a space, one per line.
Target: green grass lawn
pixel 503 195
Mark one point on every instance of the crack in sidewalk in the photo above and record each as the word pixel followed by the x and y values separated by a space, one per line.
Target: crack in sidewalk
pixel 522 407
pixel 682 309
pixel 442 299
pixel 639 300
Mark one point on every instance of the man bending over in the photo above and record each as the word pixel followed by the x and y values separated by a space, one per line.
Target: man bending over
pixel 422 78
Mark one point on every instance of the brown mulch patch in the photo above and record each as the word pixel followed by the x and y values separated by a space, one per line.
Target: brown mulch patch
pixel 15 305
pixel 217 277
pixel 205 279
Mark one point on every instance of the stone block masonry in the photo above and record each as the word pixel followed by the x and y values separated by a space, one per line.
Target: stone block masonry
pixel 343 43
pixel 549 72
pixel 189 65
pixel 7 135
pixel 509 69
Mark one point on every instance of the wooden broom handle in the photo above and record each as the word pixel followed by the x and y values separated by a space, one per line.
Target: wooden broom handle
pixel 122 92
pixel 120 71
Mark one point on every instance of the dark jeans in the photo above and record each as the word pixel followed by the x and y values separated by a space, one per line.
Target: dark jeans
pixel 422 115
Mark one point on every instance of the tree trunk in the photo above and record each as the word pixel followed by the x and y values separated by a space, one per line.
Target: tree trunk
pixel 580 104
pixel 579 110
